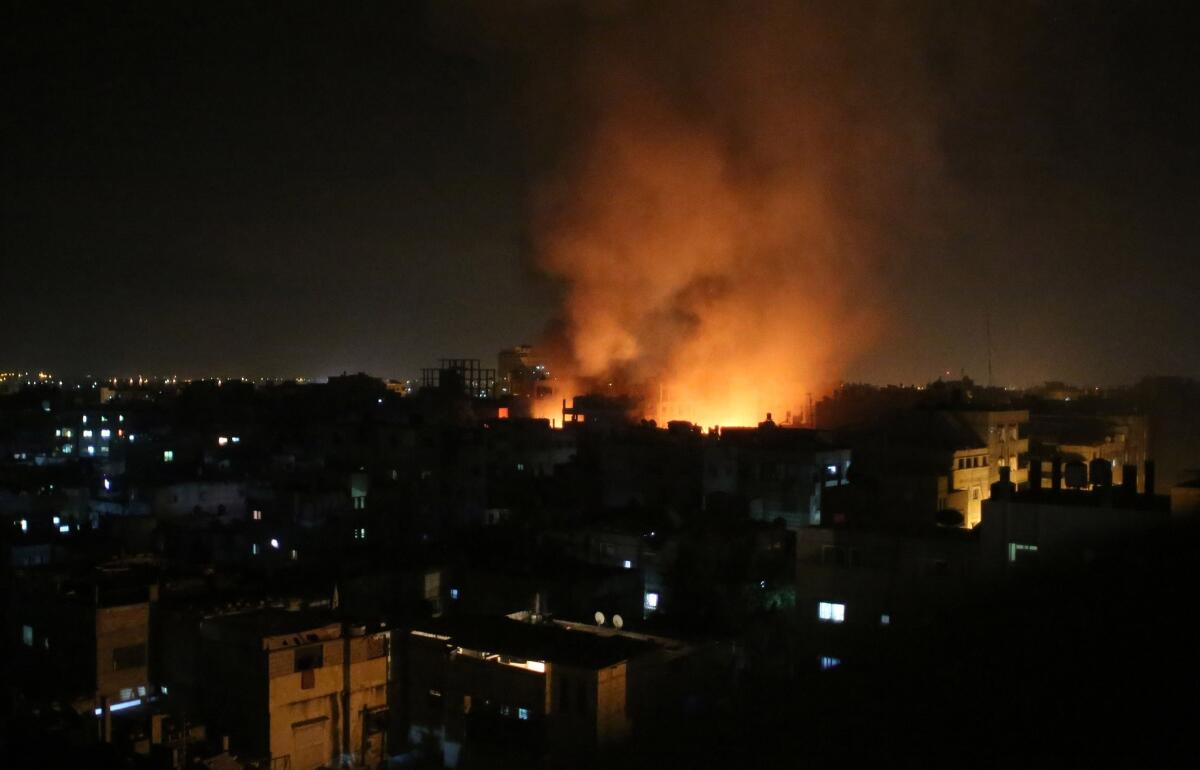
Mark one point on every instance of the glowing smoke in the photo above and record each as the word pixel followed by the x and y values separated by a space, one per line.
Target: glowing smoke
pixel 722 225
pixel 729 191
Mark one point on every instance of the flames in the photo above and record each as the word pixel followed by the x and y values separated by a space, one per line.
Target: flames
pixel 720 224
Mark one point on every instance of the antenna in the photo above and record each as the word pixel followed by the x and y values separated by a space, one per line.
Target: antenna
pixel 988 326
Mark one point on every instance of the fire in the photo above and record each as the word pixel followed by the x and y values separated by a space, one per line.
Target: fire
pixel 723 221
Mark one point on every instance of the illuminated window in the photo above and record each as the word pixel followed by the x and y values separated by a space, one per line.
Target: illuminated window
pixel 168 456
pixel 628 564
pixel 87 434
pixel 56 520
pixel 91 450
pixel 1019 552
pixel 831 612
pixel 85 419
pixel 104 450
pixel 522 713
pixel 105 433
pixel 257 515
pixel 58 433
pixel 24 524
pixel 222 440
pixel 27 635
pixel 274 543
pixel 454 593
pixel 67 449
pixel 827 662
pixel 885 619
pixel 108 485
pixel 254 549
pixel 236 439
pixel 64 529
pixel 651 600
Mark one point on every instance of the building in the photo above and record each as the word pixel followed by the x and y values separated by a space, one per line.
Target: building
pixel 1059 527
pixel 536 687
pixel 298 688
pixel 779 472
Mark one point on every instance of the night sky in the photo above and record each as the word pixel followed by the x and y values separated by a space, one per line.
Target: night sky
pixel 292 189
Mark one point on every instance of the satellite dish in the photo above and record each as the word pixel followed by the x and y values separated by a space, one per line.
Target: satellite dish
pixel 599 616
pixel 618 621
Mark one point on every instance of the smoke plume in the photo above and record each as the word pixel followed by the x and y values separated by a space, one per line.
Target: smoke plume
pixel 726 187
pixel 721 220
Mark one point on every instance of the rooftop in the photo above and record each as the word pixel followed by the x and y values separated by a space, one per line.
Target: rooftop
pixel 555 642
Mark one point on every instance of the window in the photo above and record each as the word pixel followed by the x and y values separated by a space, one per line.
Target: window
pixel 628 564
pixel 308 658
pixel 130 656
pixel 254 549
pixel 222 440
pixel 454 593
pixel 828 662
pixel 257 515
pixel 885 619
pixel 651 600
pixel 27 635
pixel 168 455
pixel 24 524
pixel 87 434
pixel 1021 552
pixel 522 713
pixel 831 612
pixel 106 433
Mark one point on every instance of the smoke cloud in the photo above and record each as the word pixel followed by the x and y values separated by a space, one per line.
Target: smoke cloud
pixel 721 215
pixel 726 191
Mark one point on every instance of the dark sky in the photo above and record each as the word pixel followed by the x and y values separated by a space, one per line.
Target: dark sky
pixel 295 189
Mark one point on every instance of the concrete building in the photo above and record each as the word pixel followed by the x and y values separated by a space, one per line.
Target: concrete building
pixel 534 686
pixel 1005 432
pixel 299 689
pixel 1059 527
pixel 779 472
pixel 83 641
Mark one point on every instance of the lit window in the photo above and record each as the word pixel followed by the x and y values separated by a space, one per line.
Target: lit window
pixel 885 619
pixel 222 440
pixel 1021 552
pixel 522 713
pixel 56 520
pixel 628 564
pixel 295 554
pixel 520 466
pixel 164 689
pixel 87 434
pixel 68 448
pixel 236 439
pixel 651 600
pixel 27 635
pixel 105 433
pixel 827 662
pixel 168 455
pixel 64 529
pixel 454 593
pixel 108 485
pixel 104 450
pixel 58 433
pixel 254 549
pixel 85 419
pixel 274 543
pixel 257 515
pixel 120 418
pixel 24 524
pixel 126 693
pixel 831 470
pixel 831 612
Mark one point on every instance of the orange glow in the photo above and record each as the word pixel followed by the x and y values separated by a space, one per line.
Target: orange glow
pixel 502 413
pixel 725 223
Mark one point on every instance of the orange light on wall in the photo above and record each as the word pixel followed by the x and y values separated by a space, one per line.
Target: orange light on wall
pixel 502 413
